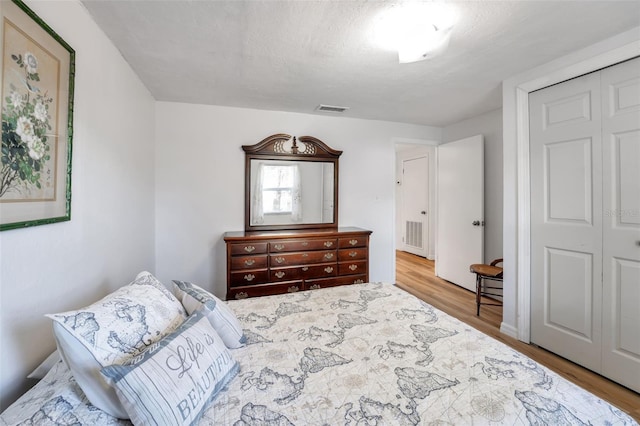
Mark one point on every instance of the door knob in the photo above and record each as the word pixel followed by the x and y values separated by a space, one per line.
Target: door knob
pixel 423 212
pixel 476 223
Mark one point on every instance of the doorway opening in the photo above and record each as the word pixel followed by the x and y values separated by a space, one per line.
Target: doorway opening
pixel 415 198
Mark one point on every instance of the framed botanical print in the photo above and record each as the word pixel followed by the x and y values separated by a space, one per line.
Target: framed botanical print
pixel 38 69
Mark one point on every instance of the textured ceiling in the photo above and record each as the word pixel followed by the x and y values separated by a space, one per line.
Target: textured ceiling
pixel 292 55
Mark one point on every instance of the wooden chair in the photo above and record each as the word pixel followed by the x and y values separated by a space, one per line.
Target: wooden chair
pixel 487 272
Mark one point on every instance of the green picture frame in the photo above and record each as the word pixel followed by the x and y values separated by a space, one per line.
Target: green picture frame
pixel 37 85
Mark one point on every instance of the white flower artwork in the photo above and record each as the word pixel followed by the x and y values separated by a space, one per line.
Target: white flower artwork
pixel 26 149
pixel 37 82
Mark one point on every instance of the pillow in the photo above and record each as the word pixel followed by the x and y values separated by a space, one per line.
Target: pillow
pixel 174 380
pixel 221 316
pixel 112 330
pixel 45 366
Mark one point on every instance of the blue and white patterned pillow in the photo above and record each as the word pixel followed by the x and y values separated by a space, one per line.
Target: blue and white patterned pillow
pixel 221 316
pixel 174 380
pixel 112 330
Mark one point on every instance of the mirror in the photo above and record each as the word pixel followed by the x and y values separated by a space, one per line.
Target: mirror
pixel 291 192
pixel 290 183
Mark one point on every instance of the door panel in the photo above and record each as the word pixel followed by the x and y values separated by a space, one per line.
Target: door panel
pixel 572 109
pixel 625 282
pixel 568 284
pixel 460 204
pixel 566 219
pixel 621 225
pixel 568 182
pixel 626 175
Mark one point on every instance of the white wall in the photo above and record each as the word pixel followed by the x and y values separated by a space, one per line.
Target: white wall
pixel 110 237
pixel 515 317
pixel 200 182
pixel 490 126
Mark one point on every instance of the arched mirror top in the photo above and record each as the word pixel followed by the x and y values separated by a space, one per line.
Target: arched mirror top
pixel 290 183
pixel 287 145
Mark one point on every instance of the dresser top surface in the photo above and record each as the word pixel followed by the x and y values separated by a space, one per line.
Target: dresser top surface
pixel 341 231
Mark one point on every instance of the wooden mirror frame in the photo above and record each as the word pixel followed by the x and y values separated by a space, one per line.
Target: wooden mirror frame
pixel 275 147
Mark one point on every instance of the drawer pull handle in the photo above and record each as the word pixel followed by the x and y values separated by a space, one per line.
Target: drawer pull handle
pixel 241 295
pixel 279 246
pixel 315 287
pixel 305 254
pixel 328 256
pixel 249 277
pixel 249 262
pixel 249 249
pixel 328 269
pixel 293 289
pixel 279 260
pixel 353 242
pixel 328 243
pixel 305 243
pixel 353 253
pixel 353 267
pixel 358 281
pixel 305 268
pixel 280 274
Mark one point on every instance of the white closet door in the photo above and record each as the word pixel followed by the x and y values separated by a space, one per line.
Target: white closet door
pixel 566 219
pixel 621 224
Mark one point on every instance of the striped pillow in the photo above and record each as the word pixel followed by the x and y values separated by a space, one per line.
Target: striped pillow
pixel 173 381
pixel 221 316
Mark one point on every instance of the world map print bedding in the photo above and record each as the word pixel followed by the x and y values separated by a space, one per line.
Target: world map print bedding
pixel 367 354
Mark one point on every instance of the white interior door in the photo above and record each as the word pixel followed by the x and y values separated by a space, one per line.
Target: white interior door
pixel 415 200
pixel 460 220
pixel 566 219
pixel 620 87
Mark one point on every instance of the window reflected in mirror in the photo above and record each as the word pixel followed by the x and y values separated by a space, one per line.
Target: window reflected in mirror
pixel 277 185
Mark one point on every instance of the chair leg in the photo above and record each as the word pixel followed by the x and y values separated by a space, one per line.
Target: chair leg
pixel 478 293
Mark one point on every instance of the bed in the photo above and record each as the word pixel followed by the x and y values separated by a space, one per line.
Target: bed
pixel 367 354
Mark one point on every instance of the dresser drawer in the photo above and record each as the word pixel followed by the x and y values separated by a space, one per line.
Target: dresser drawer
pixel 359 241
pixel 304 272
pixel 247 248
pixel 356 267
pixel 352 254
pixel 285 274
pixel 248 262
pixel 249 277
pixel 307 257
pixel 318 271
pixel 302 245
pixel 331 282
pixel 264 290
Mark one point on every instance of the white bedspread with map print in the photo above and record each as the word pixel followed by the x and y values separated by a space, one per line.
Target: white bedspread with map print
pixel 367 354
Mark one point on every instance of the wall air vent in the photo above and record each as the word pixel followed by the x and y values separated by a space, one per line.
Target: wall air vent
pixel 331 108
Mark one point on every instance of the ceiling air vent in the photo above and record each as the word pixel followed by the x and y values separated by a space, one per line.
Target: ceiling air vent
pixel 331 108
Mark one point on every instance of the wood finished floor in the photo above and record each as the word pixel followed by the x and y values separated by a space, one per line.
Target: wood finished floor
pixel 416 275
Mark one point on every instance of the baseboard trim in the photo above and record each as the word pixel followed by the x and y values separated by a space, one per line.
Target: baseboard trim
pixel 509 330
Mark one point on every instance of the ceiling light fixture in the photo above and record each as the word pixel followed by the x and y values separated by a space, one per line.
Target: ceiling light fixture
pixel 416 30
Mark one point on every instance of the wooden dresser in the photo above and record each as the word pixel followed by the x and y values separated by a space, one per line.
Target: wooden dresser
pixel 273 262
